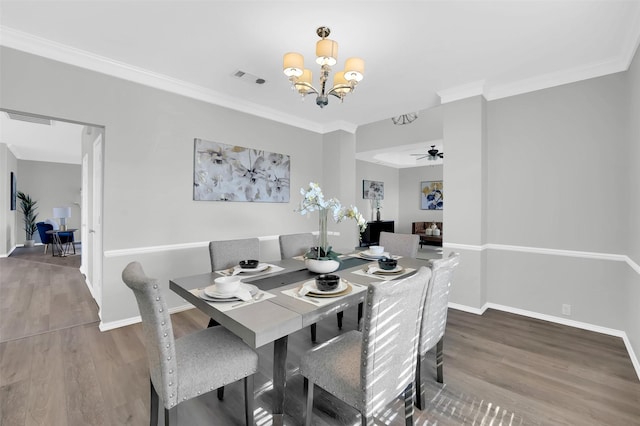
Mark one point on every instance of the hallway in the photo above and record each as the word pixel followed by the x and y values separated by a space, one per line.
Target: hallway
pixel 40 293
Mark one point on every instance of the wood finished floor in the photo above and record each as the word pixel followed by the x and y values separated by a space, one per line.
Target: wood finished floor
pixel 500 368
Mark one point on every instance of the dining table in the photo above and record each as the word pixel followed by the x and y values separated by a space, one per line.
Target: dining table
pixel 277 309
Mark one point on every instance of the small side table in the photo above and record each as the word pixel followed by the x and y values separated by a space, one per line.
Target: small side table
pixel 62 248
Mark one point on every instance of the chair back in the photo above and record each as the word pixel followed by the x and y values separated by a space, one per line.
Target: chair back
pixel 400 244
pixel 158 332
pixel 226 254
pixel 292 245
pixel 434 316
pixel 391 329
pixel 42 230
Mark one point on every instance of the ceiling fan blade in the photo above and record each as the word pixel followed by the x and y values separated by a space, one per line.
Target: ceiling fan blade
pixel 417 154
pixel 420 158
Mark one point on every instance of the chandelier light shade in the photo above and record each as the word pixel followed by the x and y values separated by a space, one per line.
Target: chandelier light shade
pixel 293 64
pixel 301 78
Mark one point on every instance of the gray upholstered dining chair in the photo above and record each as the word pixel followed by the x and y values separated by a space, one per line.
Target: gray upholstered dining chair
pixel 400 244
pixel 405 245
pixel 292 245
pixel 184 368
pixel 434 320
pixel 226 254
pixel 387 347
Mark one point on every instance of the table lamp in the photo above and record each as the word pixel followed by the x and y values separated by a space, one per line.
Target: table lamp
pixel 62 213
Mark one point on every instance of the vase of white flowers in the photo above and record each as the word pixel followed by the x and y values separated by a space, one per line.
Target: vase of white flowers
pixel 322 259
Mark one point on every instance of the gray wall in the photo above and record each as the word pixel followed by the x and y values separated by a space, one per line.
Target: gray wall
pixel 52 185
pixel 401 193
pixel 402 186
pixel 390 177
pixel 383 133
pixel 632 223
pixel 466 192
pixel 558 167
pixel 562 181
pixel 409 200
pixel 338 162
pixel 149 213
pixel 10 220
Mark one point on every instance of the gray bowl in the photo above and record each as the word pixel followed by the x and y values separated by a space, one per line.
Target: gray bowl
pixel 249 264
pixel 327 282
pixel 387 263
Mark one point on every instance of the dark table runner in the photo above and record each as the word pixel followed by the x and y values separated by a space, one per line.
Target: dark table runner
pixel 276 281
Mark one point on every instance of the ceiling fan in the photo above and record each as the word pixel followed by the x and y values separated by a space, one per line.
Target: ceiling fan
pixel 432 154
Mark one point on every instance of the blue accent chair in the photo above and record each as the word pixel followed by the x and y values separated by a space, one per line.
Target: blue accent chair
pixel 47 239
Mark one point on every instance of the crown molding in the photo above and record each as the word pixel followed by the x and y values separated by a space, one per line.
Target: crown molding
pixel 503 90
pixel 630 46
pixel 469 90
pixel 558 78
pixel 39 46
pixel 340 125
pixel 498 91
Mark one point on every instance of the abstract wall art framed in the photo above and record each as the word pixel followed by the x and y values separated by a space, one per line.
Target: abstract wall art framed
pixel 223 172
pixel 14 191
pixel 431 196
pixel 372 190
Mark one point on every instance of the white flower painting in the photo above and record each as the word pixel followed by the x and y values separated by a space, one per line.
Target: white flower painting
pixel 223 172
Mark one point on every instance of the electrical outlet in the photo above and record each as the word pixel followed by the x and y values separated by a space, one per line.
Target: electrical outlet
pixel 566 309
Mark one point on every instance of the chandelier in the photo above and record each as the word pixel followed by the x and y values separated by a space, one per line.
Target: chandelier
pixel 344 82
pixel 404 118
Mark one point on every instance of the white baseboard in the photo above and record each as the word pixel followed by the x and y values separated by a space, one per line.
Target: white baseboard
pixel 10 251
pixel 557 320
pixel 477 311
pixel 93 294
pixel 465 308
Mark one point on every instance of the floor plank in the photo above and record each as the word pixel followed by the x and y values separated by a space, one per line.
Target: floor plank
pixel 41 293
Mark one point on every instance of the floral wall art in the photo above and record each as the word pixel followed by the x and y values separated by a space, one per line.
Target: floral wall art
pixel 372 190
pixel 223 172
pixel 431 195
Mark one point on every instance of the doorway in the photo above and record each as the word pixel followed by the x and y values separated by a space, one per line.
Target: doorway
pixel 44 158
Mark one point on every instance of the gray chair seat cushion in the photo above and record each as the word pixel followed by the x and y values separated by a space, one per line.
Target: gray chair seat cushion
pixel 195 352
pixel 335 367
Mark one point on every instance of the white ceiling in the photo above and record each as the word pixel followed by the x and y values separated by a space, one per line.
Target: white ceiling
pixel 402 157
pixel 418 53
pixel 58 142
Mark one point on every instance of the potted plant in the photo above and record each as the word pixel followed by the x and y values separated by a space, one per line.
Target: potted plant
pixel 28 208
pixel 322 259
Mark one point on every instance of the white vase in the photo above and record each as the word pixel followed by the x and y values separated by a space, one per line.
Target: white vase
pixel 321 266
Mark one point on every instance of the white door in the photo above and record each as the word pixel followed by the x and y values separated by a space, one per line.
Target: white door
pixel 84 213
pixel 96 222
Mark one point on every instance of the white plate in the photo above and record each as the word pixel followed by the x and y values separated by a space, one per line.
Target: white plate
pixel 261 267
pixel 211 293
pixel 368 255
pixel 379 270
pixel 313 288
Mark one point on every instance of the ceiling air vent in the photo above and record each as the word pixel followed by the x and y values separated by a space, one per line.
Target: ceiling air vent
pixel 249 78
pixel 29 118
